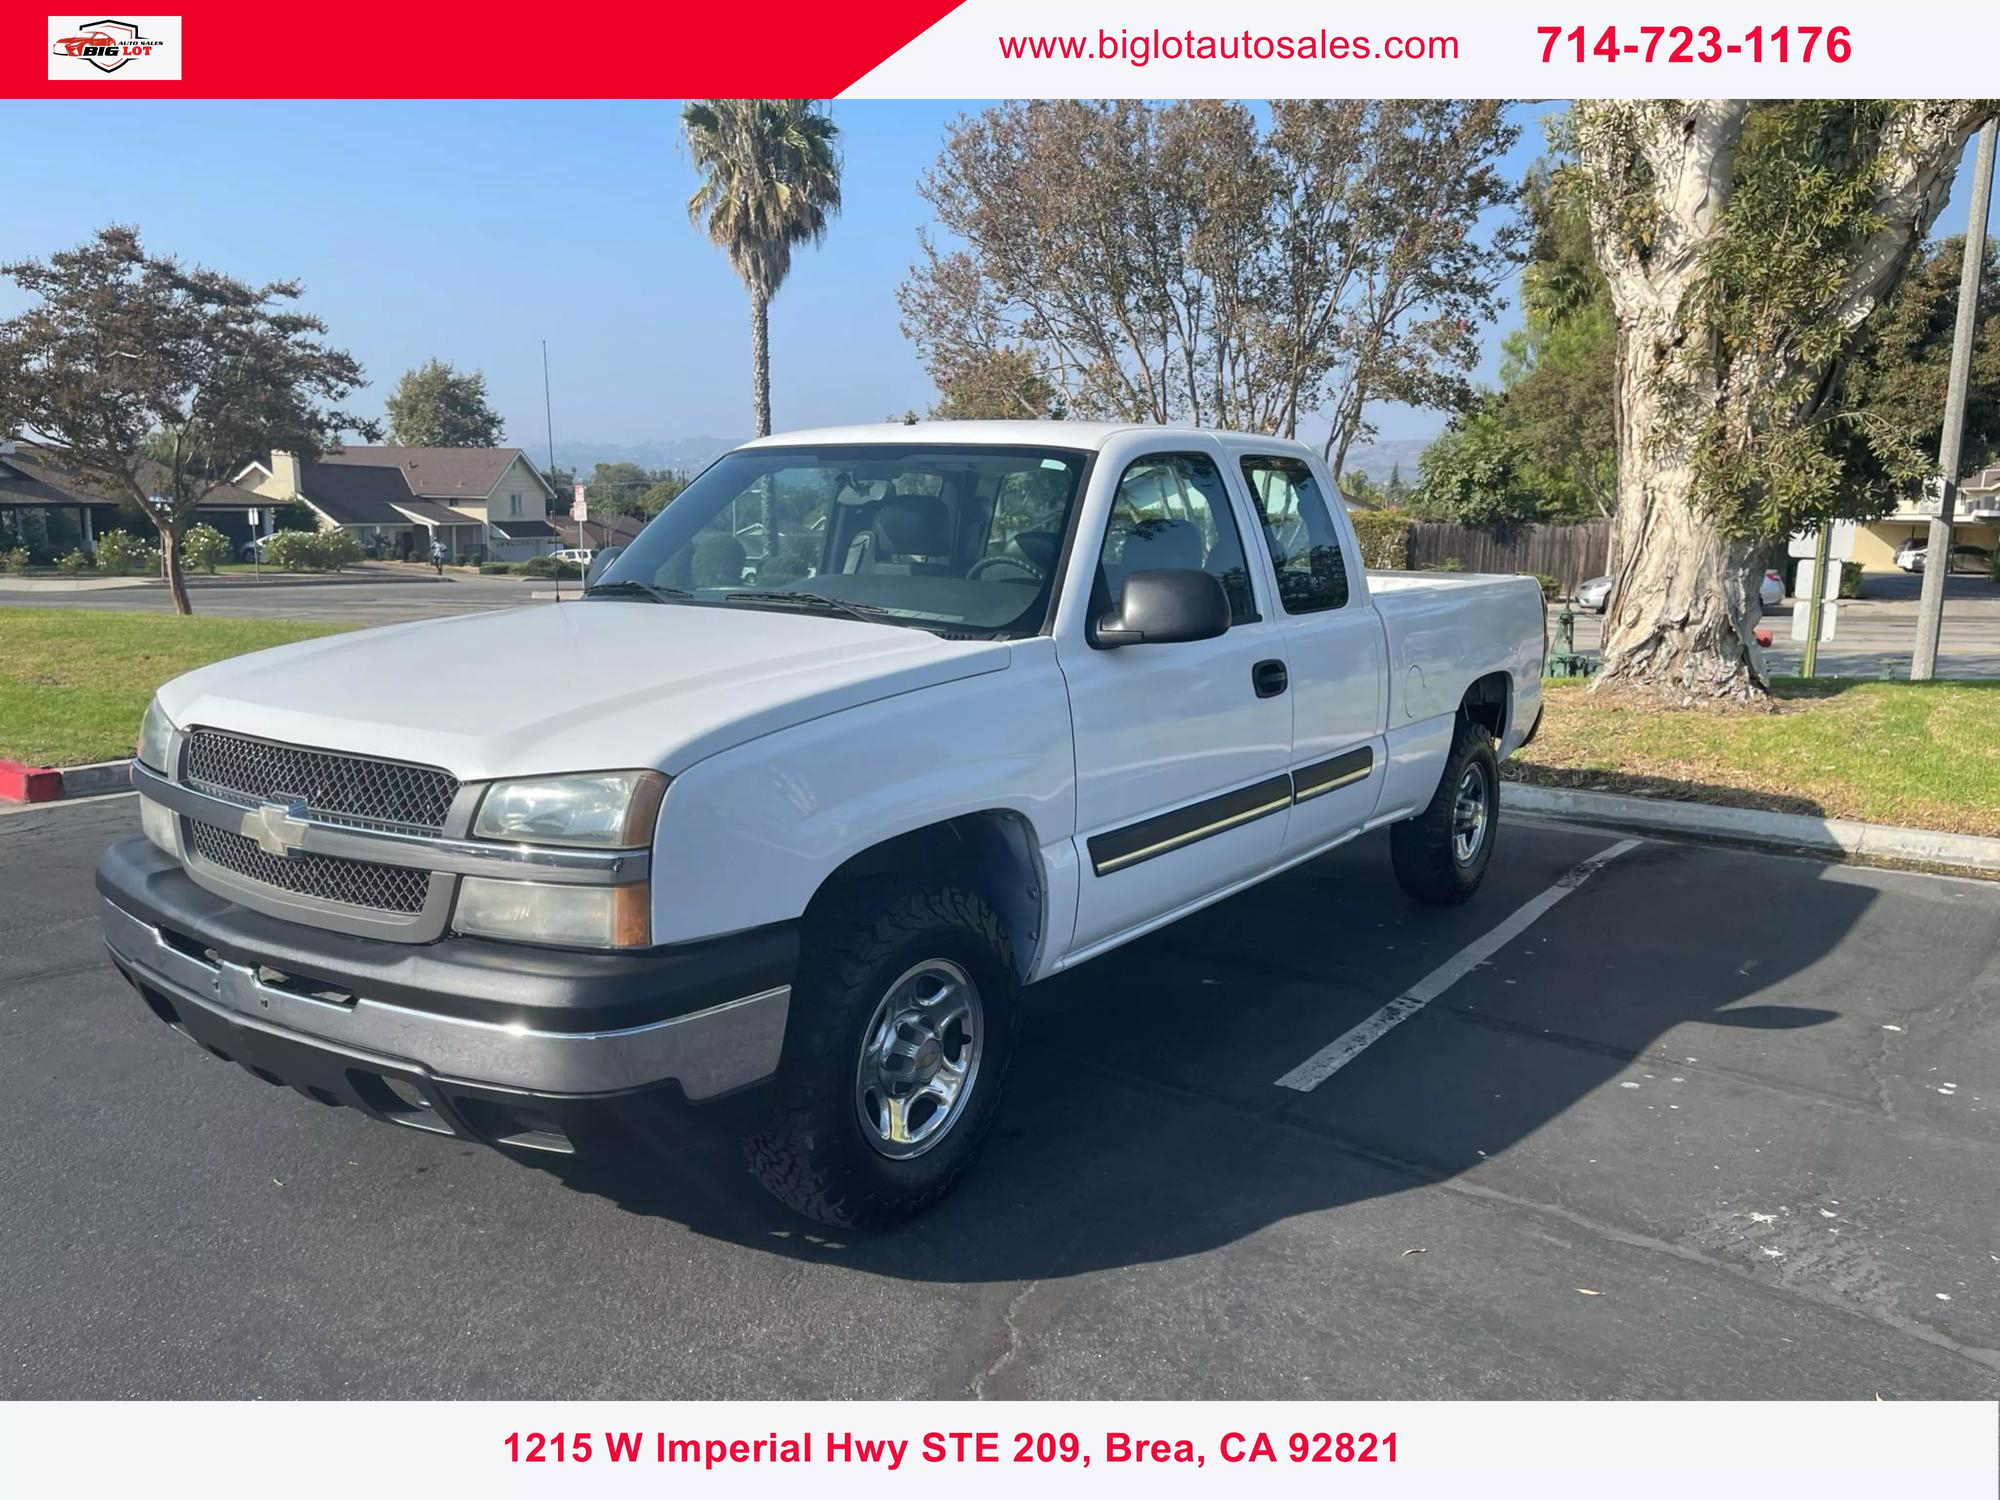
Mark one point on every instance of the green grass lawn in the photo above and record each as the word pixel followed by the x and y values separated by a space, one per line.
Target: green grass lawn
pixel 74 682
pixel 1924 755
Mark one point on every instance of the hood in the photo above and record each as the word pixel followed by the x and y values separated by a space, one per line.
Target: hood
pixel 601 685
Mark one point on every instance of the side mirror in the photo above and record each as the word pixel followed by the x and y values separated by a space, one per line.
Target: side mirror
pixel 599 563
pixel 1163 605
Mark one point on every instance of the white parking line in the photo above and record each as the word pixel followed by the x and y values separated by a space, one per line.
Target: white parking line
pixel 1343 1049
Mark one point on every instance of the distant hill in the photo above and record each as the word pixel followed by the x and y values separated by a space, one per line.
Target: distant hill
pixel 687 454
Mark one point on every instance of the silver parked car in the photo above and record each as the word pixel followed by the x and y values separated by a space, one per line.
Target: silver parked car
pixel 1596 594
pixel 1964 558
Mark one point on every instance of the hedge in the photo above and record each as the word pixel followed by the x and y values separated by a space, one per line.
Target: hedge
pixel 1384 536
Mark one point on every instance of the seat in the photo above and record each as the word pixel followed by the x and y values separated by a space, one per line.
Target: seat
pixel 909 531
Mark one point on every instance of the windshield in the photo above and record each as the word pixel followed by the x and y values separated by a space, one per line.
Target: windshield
pixel 959 539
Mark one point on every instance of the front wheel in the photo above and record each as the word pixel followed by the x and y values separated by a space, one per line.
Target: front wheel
pixel 1440 855
pixel 901 1031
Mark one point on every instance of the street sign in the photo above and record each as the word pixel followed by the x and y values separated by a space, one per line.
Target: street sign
pixel 1802 591
pixel 579 508
pixel 1839 546
pixel 253 515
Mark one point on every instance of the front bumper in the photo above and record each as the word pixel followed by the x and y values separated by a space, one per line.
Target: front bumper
pixel 493 1041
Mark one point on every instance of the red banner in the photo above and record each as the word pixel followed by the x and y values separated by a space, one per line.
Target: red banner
pixel 371 50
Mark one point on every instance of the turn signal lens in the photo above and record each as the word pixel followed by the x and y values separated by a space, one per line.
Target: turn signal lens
pixel 567 916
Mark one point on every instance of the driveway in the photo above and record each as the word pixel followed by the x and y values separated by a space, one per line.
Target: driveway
pixel 1713 1124
pixel 379 595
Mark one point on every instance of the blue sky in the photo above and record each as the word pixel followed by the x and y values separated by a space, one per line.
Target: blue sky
pixel 472 231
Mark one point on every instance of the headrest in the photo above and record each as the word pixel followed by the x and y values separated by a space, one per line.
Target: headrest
pixel 1163 544
pixel 913 526
pixel 1038 549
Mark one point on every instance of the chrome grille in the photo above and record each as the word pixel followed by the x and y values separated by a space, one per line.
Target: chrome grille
pixel 337 788
pixel 323 877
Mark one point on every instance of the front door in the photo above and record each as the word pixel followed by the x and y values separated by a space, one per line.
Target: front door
pixel 1181 749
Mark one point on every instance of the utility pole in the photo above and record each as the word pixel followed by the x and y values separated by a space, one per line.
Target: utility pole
pixel 1937 560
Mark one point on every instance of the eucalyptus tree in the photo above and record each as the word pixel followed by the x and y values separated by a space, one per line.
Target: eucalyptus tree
pixel 1746 247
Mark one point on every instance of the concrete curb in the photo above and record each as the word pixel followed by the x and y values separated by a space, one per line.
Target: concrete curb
pixel 39 784
pixel 1841 837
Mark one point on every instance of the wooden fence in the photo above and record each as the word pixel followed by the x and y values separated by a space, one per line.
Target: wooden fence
pixel 1569 554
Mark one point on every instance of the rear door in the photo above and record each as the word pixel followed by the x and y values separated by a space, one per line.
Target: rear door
pixel 1334 644
pixel 1181 748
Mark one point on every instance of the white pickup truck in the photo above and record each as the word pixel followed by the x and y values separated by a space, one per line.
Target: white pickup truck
pixel 869 729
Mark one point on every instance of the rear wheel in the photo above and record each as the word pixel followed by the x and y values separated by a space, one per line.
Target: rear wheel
pixel 1440 855
pixel 901 1032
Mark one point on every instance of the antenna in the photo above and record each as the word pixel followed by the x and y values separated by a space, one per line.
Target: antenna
pixel 549 422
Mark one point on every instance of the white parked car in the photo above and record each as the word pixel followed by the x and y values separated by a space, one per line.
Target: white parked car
pixel 556 878
pixel 1595 594
pixel 581 556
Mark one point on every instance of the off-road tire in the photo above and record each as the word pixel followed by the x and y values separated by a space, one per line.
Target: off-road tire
pixel 813 1156
pixel 1422 848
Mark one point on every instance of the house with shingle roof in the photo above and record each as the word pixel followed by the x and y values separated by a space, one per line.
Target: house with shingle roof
pixel 480 502
pixel 49 504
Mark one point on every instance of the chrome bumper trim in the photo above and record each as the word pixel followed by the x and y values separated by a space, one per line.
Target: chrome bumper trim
pixel 709 1052
pixel 380 846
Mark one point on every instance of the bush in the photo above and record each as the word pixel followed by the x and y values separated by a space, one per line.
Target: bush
pixel 311 551
pixel 1551 587
pixel 491 569
pixel 15 561
pixel 1384 536
pixel 73 563
pixel 1449 565
pixel 121 552
pixel 204 548
pixel 1850 580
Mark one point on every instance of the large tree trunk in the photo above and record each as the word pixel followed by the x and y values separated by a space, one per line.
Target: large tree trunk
pixel 1661 174
pixel 170 558
pixel 1683 602
pixel 760 357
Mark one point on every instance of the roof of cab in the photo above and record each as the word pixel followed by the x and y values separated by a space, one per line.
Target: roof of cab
pixel 1086 435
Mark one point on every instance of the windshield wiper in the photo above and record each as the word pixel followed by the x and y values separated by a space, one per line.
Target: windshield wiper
pixel 633 586
pixel 866 612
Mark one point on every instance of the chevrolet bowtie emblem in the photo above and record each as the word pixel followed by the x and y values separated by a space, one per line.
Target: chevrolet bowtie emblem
pixel 277 827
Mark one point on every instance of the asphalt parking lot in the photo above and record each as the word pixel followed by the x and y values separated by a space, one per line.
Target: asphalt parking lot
pixel 1716 1124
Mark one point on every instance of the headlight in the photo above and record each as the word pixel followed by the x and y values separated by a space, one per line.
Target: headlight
pixel 156 736
pixel 607 810
pixel 570 916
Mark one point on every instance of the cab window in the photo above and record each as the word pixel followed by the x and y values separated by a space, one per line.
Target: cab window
pixel 1299 530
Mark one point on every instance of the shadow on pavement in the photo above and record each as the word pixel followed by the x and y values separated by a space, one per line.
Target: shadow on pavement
pixel 1142 1122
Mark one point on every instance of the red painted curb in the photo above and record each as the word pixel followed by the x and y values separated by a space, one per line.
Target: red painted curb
pixel 19 783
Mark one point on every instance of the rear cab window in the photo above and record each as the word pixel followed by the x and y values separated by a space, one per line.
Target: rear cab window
pixel 1299 533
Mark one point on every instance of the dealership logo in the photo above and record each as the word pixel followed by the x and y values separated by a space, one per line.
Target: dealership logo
pixel 145 44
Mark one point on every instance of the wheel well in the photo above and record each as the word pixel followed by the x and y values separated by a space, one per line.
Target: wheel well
pixel 993 852
pixel 1488 701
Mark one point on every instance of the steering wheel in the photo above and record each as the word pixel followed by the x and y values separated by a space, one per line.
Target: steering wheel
pixel 980 568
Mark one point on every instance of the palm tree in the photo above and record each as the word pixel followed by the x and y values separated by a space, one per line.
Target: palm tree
pixel 770 180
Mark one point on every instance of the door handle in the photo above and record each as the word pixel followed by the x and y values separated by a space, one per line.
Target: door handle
pixel 1269 678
